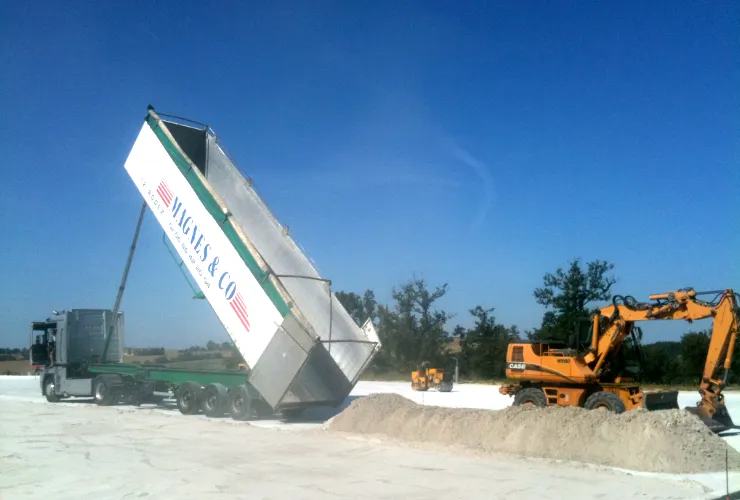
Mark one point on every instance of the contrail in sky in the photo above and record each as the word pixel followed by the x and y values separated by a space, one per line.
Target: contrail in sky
pixel 485 175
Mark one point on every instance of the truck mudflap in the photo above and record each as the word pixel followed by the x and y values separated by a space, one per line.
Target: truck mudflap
pixel 660 400
pixel 719 422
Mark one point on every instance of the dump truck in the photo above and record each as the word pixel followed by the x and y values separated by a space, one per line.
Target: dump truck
pixel 594 376
pixel 302 348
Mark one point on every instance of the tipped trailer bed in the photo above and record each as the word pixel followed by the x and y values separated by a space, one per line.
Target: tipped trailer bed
pixel 302 347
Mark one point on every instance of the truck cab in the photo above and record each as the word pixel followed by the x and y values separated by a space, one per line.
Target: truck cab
pixel 43 343
pixel 65 344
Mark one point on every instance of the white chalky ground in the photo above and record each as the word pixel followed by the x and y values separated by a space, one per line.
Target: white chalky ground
pixel 77 450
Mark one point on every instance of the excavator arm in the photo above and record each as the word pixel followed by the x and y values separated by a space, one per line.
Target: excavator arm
pixel 711 408
pixel 683 304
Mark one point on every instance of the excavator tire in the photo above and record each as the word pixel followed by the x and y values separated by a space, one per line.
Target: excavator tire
pixel 606 400
pixel 531 396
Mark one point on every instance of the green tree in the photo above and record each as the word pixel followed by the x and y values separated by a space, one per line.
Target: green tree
pixel 694 349
pixel 568 293
pixel 459 332
pixel 359 307
pixel 421 324
pixel 662 363
pixel 484 346
pixel 412 329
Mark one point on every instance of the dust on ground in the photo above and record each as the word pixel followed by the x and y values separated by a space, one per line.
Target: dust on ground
pixel 87 452
pixel 666 441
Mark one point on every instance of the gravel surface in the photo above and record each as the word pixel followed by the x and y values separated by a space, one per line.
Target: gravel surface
pixel 670 441
pixel 84 452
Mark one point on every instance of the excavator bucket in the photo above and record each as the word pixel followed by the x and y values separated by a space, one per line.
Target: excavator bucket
pixel 660 400
pixel 720 422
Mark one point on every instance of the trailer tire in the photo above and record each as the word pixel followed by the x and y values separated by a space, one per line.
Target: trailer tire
pixel 188 398
pixel 106 389
pixel 240 403
pixel 606 400
pixel 215 400
pixel 49 390
pixel 530 396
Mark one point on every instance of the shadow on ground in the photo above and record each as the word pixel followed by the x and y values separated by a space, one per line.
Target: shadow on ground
pixel 309 416
pixel 322 414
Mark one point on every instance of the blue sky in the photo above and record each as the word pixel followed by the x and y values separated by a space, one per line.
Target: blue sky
pixel 478 144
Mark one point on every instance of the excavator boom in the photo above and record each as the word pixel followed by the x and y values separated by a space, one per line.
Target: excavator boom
pixel 684 305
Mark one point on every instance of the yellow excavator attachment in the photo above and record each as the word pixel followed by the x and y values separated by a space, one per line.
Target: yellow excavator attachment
pixel 719 421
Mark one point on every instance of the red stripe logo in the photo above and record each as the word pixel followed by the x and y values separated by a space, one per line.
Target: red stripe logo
pixel 164 193
pixel 240 309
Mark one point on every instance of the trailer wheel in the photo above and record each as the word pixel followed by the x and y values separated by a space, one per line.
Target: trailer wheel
pixel 240 403
pixel 49 390
pixel 531 396
pixel 106 389
pixel 215 400
pixel 607 400
pixel 188 398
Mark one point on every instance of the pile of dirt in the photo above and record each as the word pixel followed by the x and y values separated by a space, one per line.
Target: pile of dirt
pixel 668 441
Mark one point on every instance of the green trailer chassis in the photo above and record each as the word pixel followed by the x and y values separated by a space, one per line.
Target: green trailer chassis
pixel 215 393
pixel 174 376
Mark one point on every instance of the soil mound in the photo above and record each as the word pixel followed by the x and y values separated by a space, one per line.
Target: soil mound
pixel 668 441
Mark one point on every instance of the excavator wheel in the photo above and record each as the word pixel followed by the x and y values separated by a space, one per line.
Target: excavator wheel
pixel 606 400
pixel 531 396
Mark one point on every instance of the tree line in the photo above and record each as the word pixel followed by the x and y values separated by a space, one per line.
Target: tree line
pixel 413 328
pixel 13 354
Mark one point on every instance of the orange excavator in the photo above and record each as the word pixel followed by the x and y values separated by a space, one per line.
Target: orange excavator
pixel 595 376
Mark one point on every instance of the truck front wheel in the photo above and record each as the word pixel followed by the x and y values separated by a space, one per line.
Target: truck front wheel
pixel 49 388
